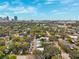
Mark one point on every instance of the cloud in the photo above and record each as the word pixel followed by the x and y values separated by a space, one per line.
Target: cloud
pixel 19 8
pixel 31 9
pixel 53 11
pixel 20 12
pixel 4 14
pixel 35 1
pixel 1 15
pixel 22 9
pixel 58 12
pixel 75 4
pixel 17 2
pixel 66 1
pixel 4 5
pixel 17 11
pixel 49 1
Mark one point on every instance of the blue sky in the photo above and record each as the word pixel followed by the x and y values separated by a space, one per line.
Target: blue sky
pixel 40 9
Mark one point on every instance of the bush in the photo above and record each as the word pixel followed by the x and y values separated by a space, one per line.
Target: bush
pixel 12 56
pixel 56 57
pixel 1 55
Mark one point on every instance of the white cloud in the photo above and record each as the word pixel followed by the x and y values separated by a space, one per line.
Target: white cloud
pixel 42 14
pixel 39 4
pixel 18 12
pixel 31 9
pixel 35 1
pixel 53 11
pixel 4 5
pixel 4 14
pixel 1 15
pixel 17 2
pixel 22 9
pixel 49 1
pixel 58 12
pixel 75 4
pixel 16 8
pixel 66 1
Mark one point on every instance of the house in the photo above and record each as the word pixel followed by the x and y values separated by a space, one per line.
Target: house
pixel 74 38
pixel 25 57
pixel 41 49
pixel 21 57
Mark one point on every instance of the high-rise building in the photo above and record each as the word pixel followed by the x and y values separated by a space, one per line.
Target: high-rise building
pixel 15 18
pixel 12 19
pixel 1 18
pixel 7 18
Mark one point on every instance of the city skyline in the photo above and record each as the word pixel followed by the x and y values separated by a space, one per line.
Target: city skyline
pixel 40 9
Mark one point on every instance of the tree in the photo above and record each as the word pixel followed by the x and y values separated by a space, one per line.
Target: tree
pixel 2 48
pixel 69 39
pixel 56 57
pixel 74 54
pixel 1 55
pixel 38 54
pixel 11 56
pixel 50 51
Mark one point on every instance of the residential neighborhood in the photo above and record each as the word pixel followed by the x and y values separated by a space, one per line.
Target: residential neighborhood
pixel 39 29
pixel 44 40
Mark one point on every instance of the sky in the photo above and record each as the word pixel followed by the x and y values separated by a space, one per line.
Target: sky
pixel 40 9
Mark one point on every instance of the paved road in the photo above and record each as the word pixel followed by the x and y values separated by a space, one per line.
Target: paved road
pixel 33 45
pixel 63 54
pixel 48 33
